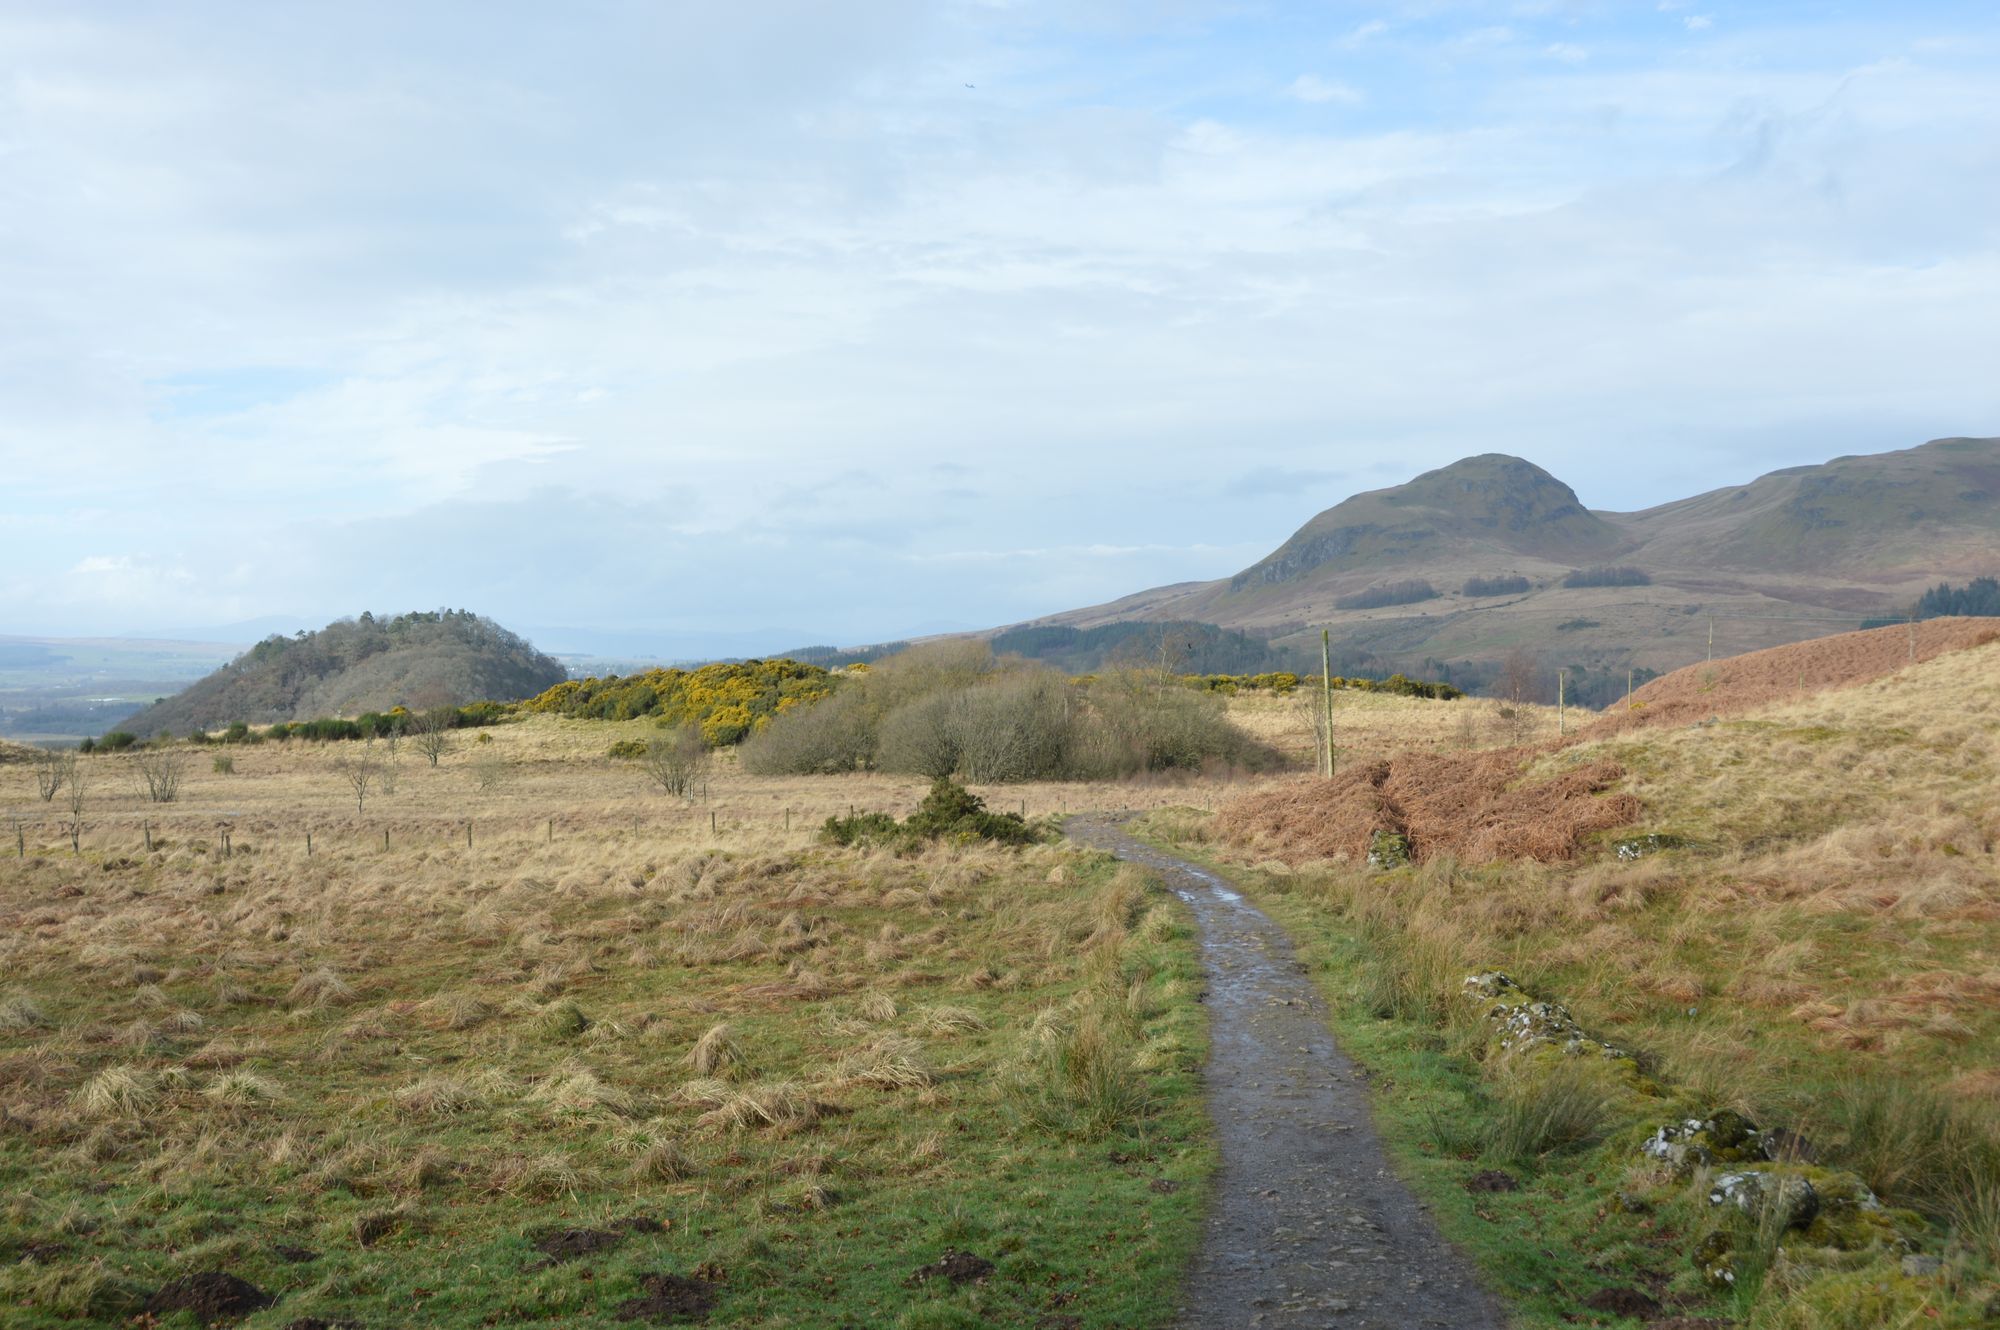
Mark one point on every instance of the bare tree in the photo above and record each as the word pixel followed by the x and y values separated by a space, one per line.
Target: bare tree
pixel 161 770
pixel 1310 707
pixel 431 731
pixel 392 743
pixel 78 780
pixel 1521 677
pixel 675 764
pixel 360 773
pixel 52 770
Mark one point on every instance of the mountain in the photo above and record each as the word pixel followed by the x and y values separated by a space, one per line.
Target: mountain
pixel 356 665
pixel 1466 565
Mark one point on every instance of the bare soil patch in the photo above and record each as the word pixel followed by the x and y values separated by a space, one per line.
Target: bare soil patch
pixel 567 1244
pixel 960 1267
pixel 668 1298
pixel 212 1295
pixel 1622 1302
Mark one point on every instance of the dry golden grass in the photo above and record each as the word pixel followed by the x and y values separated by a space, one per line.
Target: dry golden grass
pixel 1834 920
pixel 605 1002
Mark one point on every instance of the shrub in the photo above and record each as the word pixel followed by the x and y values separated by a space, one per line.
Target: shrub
pixel 835 735
pixel 1407 592
pixel 223 765
pixel 117 741
pixel 861 829
pixel 951 710
pixel 948 812
pixel 627 750
pixel 1496 586
pixel 1607 576
pixel 728 701
pixel 675 764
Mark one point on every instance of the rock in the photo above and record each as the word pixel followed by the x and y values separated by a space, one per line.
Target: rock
pixel 1388 849
pixel 1786 1199
pixel 1725 1138
pixel 1521 1021
pixel 1638 847
pixel 1916 1267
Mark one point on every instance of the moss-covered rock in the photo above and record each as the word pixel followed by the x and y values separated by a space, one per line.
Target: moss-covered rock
pixel 1725 1137
pixel 1388 849
pixel 1766 1195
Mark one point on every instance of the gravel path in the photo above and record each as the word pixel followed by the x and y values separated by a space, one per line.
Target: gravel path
pixel 1309 1226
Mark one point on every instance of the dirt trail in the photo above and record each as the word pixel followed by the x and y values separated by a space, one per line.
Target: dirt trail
pixel 1309 1225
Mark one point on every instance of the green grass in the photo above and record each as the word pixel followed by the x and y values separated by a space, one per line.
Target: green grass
pixel 949 1052
pixel 1588 1214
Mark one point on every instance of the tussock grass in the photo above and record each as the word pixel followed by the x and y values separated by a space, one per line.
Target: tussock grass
pixel 1817 953
pixel 441 1047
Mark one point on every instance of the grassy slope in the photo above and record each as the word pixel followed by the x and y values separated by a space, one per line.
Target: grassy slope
pixel 981 1049
pixel 1826 958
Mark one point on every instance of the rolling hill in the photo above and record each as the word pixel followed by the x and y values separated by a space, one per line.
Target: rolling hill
pixel 1463 566
pixel 357 665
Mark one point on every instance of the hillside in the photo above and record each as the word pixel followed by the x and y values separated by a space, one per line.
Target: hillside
pixel 357 665
pixel 1795 554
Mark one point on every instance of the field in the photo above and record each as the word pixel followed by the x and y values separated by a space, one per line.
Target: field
pixel 1804 928
pixel 601 1064
pixel 518 1039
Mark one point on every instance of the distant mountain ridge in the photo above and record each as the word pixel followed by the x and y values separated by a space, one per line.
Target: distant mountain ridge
pixel 1796 553
pixel 351 666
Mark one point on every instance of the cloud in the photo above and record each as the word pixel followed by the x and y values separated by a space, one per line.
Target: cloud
pixel 724 317
pixel 1698 22
pixel 1312 88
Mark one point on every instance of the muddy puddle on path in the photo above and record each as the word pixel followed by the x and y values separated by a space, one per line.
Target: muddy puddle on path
pixel 1309 1225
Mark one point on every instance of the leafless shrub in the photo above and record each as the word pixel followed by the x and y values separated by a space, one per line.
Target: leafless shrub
pixel 489 771
pixel 430 732
pixel 676 764
pixel 52 772
pixel 361 773
pixel 161 770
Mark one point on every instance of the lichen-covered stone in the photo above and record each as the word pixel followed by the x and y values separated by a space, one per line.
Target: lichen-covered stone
pixel 1782 1199
pixel 1638 847
pixel 1520 1021
pixel 1725 1137
pixel 1715 1258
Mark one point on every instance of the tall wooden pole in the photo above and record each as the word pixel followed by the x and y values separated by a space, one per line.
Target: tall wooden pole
pixel 1326 697
pixel 1559 703
pixel 1711 639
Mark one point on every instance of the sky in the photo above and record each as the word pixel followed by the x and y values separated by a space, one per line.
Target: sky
pixel 705 328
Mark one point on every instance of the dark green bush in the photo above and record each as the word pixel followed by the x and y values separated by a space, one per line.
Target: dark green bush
pixel 1607 576
pixel 117 741
pixel 948 812
pixel 1406 592
pixel 627 749
pixel 1495 586
pixel 861 829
